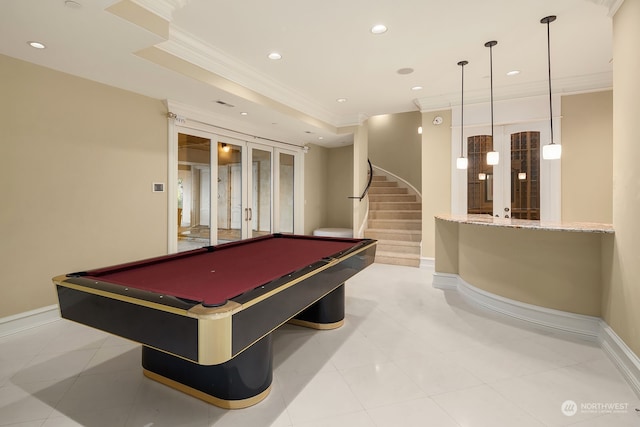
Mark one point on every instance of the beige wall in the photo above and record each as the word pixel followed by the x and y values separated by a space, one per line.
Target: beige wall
pixel 360 175
pixel 552 269
pixel 340 183
pixel 436 175
pixel 394 145
pixel 315 188
pixel 77 163
pixel 621 294
pixel 587 157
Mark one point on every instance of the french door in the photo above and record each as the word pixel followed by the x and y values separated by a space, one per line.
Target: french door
pixel 244 190
pixel 228 189
pixel 521 185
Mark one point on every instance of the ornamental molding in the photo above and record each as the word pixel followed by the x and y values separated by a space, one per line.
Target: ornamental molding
pixel 163 8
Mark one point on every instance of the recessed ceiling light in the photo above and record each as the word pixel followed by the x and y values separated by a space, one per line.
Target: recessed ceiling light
pixel 275 56
pixel 341 100
pixel 244 113
pixel 37 45
pixel 321 137
pixel 379 29
pixel 405 70
pixel 513 73
pixel 416 88
pixel 72 4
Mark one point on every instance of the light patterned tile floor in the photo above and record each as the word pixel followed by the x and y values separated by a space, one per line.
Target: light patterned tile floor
pixel 408 355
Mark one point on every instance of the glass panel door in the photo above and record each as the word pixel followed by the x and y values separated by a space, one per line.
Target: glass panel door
pixel 231 216
pixel 244 192
pixel 479 176
pixel 259 196
pixel 286 193
pixel 237 188
pixel 511 189
pixel 194 191
pixel 525 175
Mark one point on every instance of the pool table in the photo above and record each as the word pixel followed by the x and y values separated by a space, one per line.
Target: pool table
pixel 205 316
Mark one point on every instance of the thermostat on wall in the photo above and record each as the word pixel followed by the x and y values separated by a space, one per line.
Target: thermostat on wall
pixel 158 187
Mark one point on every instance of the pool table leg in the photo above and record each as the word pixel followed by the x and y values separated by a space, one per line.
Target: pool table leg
pixel 326 313
pixel 238 383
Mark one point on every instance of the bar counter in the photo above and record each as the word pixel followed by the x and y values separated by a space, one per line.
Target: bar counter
pixel 551 265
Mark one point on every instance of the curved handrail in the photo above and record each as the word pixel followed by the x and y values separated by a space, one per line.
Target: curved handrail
pixel 364 193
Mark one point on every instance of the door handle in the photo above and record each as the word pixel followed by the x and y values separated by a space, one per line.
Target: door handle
pixel 250 215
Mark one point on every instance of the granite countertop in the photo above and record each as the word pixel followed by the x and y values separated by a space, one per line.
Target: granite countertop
pixel 487 220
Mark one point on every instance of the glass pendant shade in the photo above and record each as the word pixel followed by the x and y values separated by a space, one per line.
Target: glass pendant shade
pixel 493 158
pixel 462 163
pixel 552 151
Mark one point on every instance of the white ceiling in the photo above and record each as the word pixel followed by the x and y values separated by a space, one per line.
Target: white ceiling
pixel 328 53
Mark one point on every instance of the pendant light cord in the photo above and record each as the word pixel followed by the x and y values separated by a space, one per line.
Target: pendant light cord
pixel 462 64
pixel 490 45
pixel 548 21
pixel 491 79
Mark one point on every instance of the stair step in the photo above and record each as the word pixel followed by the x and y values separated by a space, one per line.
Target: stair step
pixel 397 246
pixel 395 221
pixel 392 198
pixel 412 214
pixel 409 260
pixel 401 235
pixel 388 190
pixel 383 184
pixel 396 224
pixel 402 206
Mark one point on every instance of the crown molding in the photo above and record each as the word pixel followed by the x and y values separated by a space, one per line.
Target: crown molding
pixel 611 5
pixel 568 85
pixel 190 48
pixel 163 8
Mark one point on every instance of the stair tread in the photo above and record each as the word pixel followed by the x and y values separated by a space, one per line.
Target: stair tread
pixel 397 254
pixel 399 220
pixel 397 242
pixel 401 231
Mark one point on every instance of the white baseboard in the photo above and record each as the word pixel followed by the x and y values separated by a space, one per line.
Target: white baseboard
pixel 426 262
pixel 29 319
pixel 621 355
pixel 585 327
pixel 445 281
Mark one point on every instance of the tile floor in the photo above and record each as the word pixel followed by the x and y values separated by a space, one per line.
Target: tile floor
pixel 408 355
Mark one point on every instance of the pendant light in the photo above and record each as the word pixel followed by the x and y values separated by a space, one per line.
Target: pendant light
pixel 462 162
pixel 493 157
pixel 550 151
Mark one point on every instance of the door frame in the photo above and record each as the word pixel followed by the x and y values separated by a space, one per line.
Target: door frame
pixel 516 114
pixel 192 121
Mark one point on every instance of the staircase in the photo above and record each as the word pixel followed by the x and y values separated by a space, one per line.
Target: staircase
pixel 395 220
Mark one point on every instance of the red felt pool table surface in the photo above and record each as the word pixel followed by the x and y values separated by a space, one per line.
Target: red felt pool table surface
pixel 213 277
